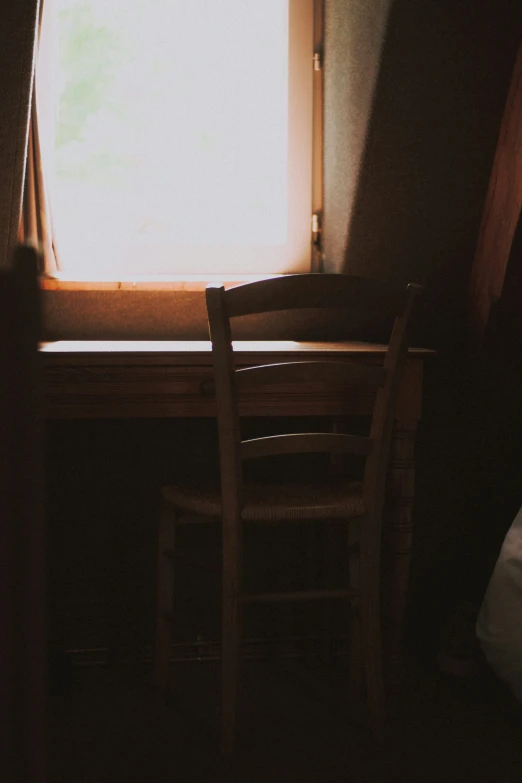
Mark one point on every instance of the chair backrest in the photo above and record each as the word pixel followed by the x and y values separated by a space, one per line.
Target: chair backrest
pixel 303 292
pixel 22 528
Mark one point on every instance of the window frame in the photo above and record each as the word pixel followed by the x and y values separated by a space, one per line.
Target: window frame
pixel 190 283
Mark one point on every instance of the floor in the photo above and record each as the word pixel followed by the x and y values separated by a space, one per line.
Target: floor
pixel 294 727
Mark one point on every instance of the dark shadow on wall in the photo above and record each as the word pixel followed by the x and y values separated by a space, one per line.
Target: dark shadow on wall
pixel 431 131
pixel 470 462
pixel 435 117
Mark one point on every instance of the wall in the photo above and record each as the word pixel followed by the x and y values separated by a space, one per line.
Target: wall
pixel 354 39
pixel 414 93
pixel 429 139
pixel 173 315
pixel 426 129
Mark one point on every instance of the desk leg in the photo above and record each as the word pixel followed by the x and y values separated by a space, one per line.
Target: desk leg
pixel 396 550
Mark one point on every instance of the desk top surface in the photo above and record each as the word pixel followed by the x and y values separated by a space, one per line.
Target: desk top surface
pixel 198 351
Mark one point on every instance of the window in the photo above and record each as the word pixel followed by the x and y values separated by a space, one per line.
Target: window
pixel 181 138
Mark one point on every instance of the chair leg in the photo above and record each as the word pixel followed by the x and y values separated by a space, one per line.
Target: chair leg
pixel 371 637
pixel 230 633
pixel 164 599
pixel 355 673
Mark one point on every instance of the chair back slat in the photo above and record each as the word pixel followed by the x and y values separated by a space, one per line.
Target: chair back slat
pixel 311 372
pixel 303 443
pixel 315 290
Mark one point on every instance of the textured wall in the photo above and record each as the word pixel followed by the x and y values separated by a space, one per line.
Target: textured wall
pixel 182 315
pixel 354 38
pixel 430 136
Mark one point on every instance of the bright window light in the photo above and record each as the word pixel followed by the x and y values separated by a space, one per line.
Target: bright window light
pixel 182 136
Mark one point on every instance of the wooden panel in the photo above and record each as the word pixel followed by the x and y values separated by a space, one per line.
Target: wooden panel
pixel 87 392
pixel 501 212
pixel 91 380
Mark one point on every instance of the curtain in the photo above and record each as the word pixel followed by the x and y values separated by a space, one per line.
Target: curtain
pixel 23 691
pixel 18 32
pixel 36 224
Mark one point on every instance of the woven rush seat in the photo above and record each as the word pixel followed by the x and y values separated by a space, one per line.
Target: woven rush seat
pixel 275 502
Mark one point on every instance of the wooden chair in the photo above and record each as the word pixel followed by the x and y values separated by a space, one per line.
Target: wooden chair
pixel 236 503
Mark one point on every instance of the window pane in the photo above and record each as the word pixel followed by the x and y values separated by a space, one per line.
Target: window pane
pixel 171 133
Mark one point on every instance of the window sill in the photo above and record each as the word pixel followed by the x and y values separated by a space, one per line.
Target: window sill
pixel 149 283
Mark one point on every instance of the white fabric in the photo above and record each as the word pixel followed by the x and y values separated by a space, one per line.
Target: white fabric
pixel 499 624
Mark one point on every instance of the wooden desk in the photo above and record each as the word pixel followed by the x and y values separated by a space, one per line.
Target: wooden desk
pixel 86 380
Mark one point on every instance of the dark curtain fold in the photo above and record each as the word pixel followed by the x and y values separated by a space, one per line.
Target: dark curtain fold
pixel 18 35
pixel 36 226
pixel 23 754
